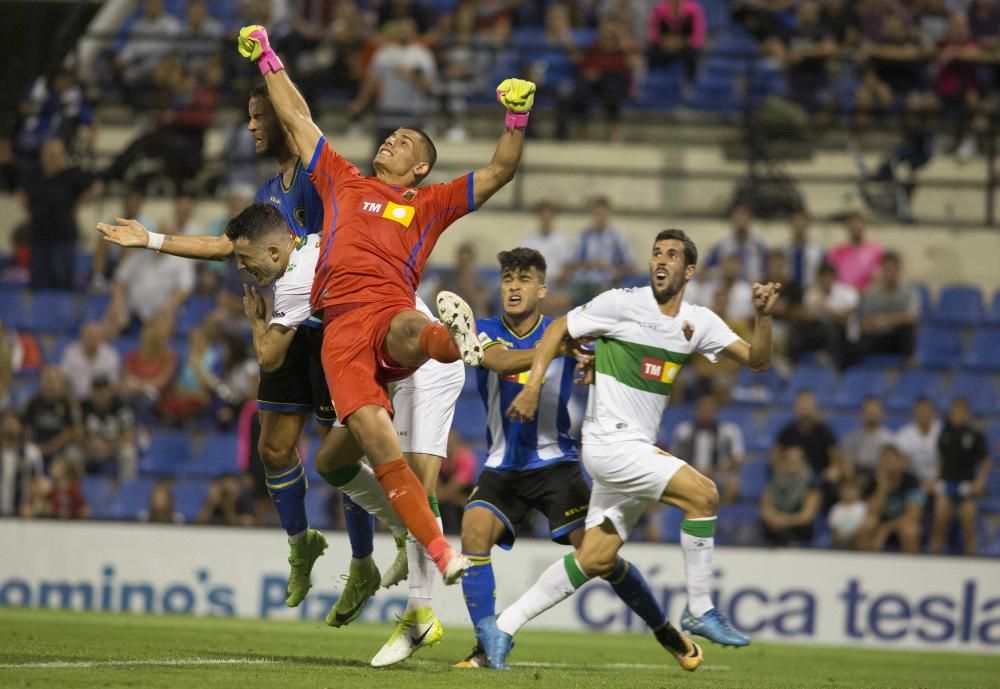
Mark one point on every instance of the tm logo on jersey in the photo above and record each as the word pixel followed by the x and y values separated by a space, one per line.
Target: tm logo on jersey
pixel 390 211
pixel 663 371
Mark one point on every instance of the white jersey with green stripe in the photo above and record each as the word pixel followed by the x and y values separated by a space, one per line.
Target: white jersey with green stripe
pixel 639 352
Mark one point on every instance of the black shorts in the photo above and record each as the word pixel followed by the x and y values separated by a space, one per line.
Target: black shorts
pixel 299 386
pixel 559 492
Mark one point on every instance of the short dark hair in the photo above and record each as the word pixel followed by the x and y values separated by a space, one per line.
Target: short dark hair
pixel 690 250
pixel 600 200
pixel 522 259
pixel 826 268
pixel 430 150
pixel 260 91
pixel 892 257
pixel 256 221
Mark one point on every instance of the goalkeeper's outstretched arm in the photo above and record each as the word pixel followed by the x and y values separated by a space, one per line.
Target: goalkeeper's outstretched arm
pixel 517 95
pixel 291 107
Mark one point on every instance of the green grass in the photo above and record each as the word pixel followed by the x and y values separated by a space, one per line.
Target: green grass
pixel 127 648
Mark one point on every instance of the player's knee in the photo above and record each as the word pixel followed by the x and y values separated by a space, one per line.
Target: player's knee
pixel 475 538
pixel 706 498
pixel 595 563
pixel 274 457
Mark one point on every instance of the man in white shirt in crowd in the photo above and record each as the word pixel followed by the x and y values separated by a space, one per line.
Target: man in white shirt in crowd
pixel 556 248
pixel 149 41
pixel 918 440
pixel 828 308
pixel 863 446
pixel 743 242
pixel 715 448
pixel 89 358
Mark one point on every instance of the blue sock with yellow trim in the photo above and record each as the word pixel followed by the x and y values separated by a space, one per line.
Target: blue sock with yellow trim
pixel 288 492
pixel 631 587
pixel 480 587
pixel 360 529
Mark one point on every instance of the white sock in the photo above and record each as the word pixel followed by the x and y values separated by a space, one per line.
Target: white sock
pixel 698 551
pixel 557 583
pixel 422 573
pixel 365 490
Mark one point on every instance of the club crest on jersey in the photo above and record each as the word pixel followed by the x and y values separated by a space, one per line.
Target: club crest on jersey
pixel 300 216
pixel 663 371
pixel 688 330
pixel 409 194
pixel 390 211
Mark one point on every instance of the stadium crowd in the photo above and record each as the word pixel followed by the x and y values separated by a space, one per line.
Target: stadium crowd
pixel 127 387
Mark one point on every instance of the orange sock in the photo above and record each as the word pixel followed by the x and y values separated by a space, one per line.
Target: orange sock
pixel 437 343
pixel 409 499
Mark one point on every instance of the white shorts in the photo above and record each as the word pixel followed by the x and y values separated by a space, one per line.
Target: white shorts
pixel 424 406
pixel 627 476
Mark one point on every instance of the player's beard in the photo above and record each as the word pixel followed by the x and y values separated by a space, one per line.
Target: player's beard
pixel 672 289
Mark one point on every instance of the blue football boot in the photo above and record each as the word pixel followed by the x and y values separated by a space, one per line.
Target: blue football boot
pixel 714 626
pixel 496 643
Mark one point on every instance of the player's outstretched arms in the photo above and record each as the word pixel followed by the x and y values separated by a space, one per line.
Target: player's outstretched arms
pixel 292 109
pixel 507 362
pixel 270 343
pixel 132 233
pixel 517 95
pixel 756 354
pixel 525 405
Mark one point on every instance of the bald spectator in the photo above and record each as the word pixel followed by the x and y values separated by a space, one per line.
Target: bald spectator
pixel 858 259
pixel 890 309
pixel 89 358
pixel 741 242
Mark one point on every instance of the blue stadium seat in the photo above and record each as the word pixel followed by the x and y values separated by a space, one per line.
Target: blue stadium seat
pixel 757 388
pixel 743 418
pixel 193 313
pixel 100 494
pixel 738 525
pixel 716 15
pixel 911 386
pixel 763 442
pixel 217 456
pixel 673 417
pixel 661 90
pixel 857 384
pixel 189 496
pixel 981 392
pixel 984 350
pixel 938 347
pixel 818 379
pixel 715 94
pixel 316 504
pixel 753 480
pixel 960 305
pixel 924 291
pixel 167 452
pixel 58 348
pixel 470 416
pixel 124 345
pixel 14 308
pixel 881 361
pixel 52 312
pixel 133 498
pixel 991 502
pixel 94 307
pixel 993 438
pixel 670 524
pixel 993 316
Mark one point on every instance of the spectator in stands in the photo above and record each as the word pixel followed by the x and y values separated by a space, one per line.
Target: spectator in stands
pixel 606 71
pixel 918 440
pixel 52 418
pixel 863 446
pixel 715 448
pixel 847 515
pixel 602 258
pixel 148 285
pixel 161 505
pixel 457 477
pixel 466 60
pixel 811 47
pixel 742 242
pixel 192 389
pixel 550 243
pixel 176 137
pixel 805 255
pixel 54 108
pixel 964 467
pixel 958 84
pixel 827 308
pixel 89 358
pixel 228 503
pixel 818 442
pixel 238 381
pixel 392 11
pixel 895 506
pixel 463 278
pixel 791 500
pixel 150 40
pixel 676 33
pixel 841 16
pixel 149 370
pixel 53 191
pixel 400 80
pixel 20 465
pixel 788 309
pixel 202 37
pixel 109 433
pixel 889 311
pixel 858 259
pixel 108 255
pixel 66 499
pixel 727 293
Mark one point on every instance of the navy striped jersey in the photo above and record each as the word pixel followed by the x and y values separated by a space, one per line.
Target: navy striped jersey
pixel 517 446
pixel 299 202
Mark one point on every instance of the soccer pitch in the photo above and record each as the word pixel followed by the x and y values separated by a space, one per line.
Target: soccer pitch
pixel 44 648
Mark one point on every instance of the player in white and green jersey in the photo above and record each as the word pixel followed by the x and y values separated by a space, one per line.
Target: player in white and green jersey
pixel 644 338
